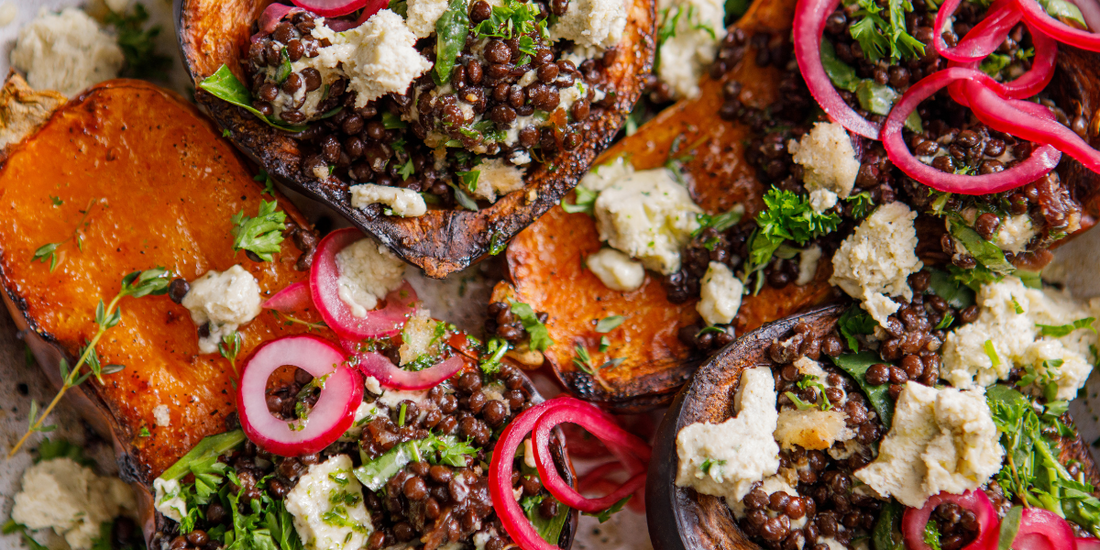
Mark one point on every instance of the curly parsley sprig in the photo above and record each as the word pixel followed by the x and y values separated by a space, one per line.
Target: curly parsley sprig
pixel 262 234
pixel 150 282
pixel 787 216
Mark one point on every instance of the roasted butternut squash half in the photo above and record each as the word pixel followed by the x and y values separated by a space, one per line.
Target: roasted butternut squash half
pixel 216 33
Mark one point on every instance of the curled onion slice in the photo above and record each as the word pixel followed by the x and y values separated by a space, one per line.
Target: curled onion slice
pixel 606 430
pixel 1043 159
pixel 809 24
pixel 1043 22
pixel 914 520
pixel 330 417
pixel 331 8
pixel 1043 530
pixel 323 283
pixel 1083 543
pixel 271 16
pixel 296 296
pixel 983 39
pixel 500 480
pixel 1026 85
pixel 391 376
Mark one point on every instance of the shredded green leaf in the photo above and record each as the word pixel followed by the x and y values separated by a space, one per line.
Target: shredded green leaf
pixel 262 234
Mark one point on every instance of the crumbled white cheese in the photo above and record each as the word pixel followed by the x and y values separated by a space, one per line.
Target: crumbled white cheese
pixel 327 506
pixel 373 385
pixel 400 201
pixel 71 499
pixel 941 440
pixel 224 301
pixel 875 261
pixel 829 163
pixel 8 12
pixel 378 56
pixel 496 178
pixel 807 264
pixel 1014 233
pixel 605 175
pixel 368 271
pixel 596 23
pixel 363 414
pixel 66 51
pixel 649 216
pixel 307 102
pixel 1012 335
pixel 811 428
pixel 168 498
pixel 616 270
pixel 391 399
pixel 162 416
pixel 737 452
pixel 684 57
pixel 719 295
pixel 418 337
pixel 422 16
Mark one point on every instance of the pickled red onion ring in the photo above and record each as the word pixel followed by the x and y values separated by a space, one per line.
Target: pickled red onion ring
pixel 1043 22
pixel 392 376
pixel 1043 159
pixel 983 39
pixel 914 520
pixel 296 296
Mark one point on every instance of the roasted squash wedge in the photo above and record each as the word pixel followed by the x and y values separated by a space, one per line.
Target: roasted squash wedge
pixel 216 32
pixel 141 179
pixel 700 522
pixel 546 268
pixel 545 261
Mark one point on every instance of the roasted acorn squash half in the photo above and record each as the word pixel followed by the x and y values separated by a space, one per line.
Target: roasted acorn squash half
pixel 547 257
pixel 702 522
pixel 163 186
pixel 216 32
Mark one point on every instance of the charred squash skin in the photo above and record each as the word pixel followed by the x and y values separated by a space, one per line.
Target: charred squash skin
pixel 546 261
pixel 161 186
pixel 216 32
pixel 701 522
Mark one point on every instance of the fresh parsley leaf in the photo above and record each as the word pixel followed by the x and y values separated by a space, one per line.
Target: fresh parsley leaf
pixel 991 352
pixel 262 234
pixel 50 449
pixel 539 336
pixel 210 448
pixel 1010 525
pixel 787 216
pixel 513 17
pixel 856 366
pixel 947 286
pixel 605 515
pixel 451 29
pixel 932 535
pixel 391 121
pixel 608 324
pixel 494 351
pixel 887 532
pixel 986 253
pixel 269 184
pixel 862 204
pixel 548 528
pixel 224 85
pixel 880 37
pixel 720 222
pixel 138 44
pixel 840 73
pixel 855 321
pixel 469 179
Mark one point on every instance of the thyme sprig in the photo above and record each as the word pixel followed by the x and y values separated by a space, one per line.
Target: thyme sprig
pixel 150 282
pixel 48 251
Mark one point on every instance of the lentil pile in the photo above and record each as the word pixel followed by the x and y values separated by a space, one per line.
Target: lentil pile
pixel 423 503
pixel 519 100
pixel 830 503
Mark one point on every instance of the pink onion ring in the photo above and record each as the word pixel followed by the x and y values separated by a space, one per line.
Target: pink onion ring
pixel 983 39
pixel 606 430
pixel 331 8
pixel 1043 22
pixel 295 297
pixel 1090 11
pixel 1083 543
pixel 270 18
pixel 1043 530
pixel 809 24
pixel 1026 85
pixel 330 417
pixel 323 282
pixel 507 508
pixel 1043 159
pixel 914 520
pixel 392 376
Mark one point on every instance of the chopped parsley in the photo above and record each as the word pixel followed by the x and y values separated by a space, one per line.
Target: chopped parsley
pixel 262 234
pixel 1059 331
pixel 536 330
pixel 584 201
pixel 608 324
pixel 787 216
pixel 511 18
pixel 884 37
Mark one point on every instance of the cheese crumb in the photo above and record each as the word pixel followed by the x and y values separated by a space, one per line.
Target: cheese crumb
pixel 648 216
pixel 1014 233
pixel 418 336
pixel 496 178
pixel 829 163
pixel 402 202
pixel 1013 337
pixel 368 271
pixel 379 57
pixel 616 270
pixel 719 295
pixel 66 51
pixel 591 23
pixel 168 499
pixel 223 301
pixel 807 264
pixel 811 428
pixel 875 261
pixel 422 16
pixel 327 506
pixel 685 56
pixel 70 499
pixel 725 459
pixel 941 440
pixel 161 415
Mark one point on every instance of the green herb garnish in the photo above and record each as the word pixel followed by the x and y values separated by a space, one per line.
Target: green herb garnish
pixel 262 234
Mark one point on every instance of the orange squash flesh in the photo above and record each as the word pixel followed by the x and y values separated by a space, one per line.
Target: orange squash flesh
pixel 546 261
pixel 162 186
